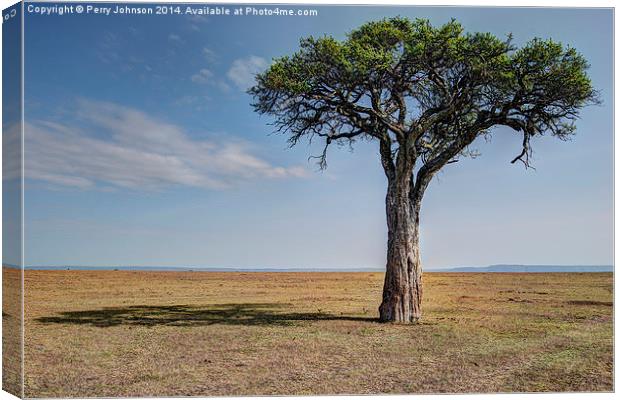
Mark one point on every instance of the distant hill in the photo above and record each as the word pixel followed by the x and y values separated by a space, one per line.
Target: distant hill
pixel 531 268
pixel 196 269
pixel 490 268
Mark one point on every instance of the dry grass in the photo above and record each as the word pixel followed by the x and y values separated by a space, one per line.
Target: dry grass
pixel 11 331
pixel 199 333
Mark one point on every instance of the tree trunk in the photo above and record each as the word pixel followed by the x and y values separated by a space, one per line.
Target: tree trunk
pixel 402 290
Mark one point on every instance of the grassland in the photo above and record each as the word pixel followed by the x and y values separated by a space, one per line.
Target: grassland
pixel 121 333
pixel 11 331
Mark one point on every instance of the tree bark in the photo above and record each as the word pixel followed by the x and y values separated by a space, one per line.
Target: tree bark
pixel 402 290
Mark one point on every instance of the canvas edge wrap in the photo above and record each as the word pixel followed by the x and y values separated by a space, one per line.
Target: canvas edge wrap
pixel 12 205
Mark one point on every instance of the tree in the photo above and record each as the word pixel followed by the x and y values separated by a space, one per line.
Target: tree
pixel 424 94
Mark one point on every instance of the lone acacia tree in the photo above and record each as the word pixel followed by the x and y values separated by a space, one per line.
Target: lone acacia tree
pixel 424 93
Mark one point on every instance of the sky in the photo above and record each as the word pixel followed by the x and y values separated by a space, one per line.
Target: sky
pixel 11 140
pixel 142 148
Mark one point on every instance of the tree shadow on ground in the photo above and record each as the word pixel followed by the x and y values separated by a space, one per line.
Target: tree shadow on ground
pixel 186 315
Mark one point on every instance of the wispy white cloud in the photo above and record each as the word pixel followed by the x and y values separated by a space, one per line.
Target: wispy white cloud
pixel 198 103
pixel 209 55
pixel 195 22
pixel 206 77
pixel 11 152
pixel 114 146
pixel 241 73
pixel 107 49
pixel 243 70
pixel 198 19
pixel 173 37
pixel 203 76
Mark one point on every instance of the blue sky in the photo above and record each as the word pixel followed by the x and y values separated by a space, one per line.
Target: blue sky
pixel 142 149
pixel 11 139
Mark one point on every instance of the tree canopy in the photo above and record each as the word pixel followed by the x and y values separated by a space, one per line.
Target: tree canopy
pixel 424 92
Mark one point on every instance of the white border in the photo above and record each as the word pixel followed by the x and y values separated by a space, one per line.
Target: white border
pixel 463 3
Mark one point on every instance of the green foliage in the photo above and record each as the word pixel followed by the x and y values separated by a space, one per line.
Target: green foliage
pixel 423 90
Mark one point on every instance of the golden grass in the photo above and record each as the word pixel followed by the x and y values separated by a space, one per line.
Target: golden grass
pixel 11 331
pixel 121 333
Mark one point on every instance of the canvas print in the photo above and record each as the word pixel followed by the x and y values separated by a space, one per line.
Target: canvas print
pixel 208 199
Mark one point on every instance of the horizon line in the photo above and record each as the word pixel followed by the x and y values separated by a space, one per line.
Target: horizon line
pixel 306 269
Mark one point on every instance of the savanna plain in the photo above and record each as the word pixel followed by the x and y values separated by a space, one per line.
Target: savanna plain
pixel 135 333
